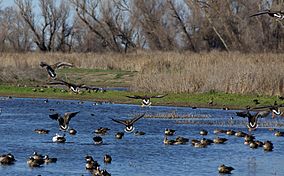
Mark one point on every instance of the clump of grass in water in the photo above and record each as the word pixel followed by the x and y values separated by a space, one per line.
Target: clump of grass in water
pixel 175 115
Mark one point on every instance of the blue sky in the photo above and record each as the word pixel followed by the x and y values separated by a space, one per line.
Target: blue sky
pixel 6 3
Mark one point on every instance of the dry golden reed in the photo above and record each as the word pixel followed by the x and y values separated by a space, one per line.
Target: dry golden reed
pixel 232 72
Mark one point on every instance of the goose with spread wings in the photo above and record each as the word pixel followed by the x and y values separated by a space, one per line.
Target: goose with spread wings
pixel 128 123
pixel 275 14
pixel 252 118
pixel 146 99
pixel 73 87
pixel 275 108
pixel 64 120
pixel 51 68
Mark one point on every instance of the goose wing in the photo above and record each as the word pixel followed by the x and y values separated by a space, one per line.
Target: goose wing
pixel 132 121
pixel 159 96
pixel 119 121
pixel 69 115
pixel 262 114
pixel 260 13
pixel 54 116
pixel 135 97
pixel 43 64
pixel 63 64
pixel 242 114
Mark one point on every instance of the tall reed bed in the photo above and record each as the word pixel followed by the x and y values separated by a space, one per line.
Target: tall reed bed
pixel 176 71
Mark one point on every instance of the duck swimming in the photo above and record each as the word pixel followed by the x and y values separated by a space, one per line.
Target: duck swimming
pixel 129 123
pixel 7 159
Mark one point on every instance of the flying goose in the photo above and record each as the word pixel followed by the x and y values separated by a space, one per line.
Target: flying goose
pixel 146 99
pixel 273 108
pixel 252 118
pixel 63 120
pixel 75 88
pixel 275 14
pixel 51 68
pixel 129 123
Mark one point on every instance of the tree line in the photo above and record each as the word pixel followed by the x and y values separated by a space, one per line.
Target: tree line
pixel 129 25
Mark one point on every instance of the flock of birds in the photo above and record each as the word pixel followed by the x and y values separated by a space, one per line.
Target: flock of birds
pixel 36 160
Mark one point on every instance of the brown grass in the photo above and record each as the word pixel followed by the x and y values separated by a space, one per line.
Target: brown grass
pixel 173 71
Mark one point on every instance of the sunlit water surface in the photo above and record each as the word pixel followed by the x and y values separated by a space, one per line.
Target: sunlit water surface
pixel 132 155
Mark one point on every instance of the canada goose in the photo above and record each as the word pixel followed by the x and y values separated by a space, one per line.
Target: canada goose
pixel 200 145
pixel 203 132
pixel 47 159
pixel 206 141
pixel 225 169
pixel 75 88
pixel 34 162
pixel 95 89
pixel 276 14
pixel 64 120
pixel 101 131
pixel 240 134
pixel 7 159
pixel 219 140
pixel 267 146
pixel 98 140
pixel 41 131
pixel 119 135
pixel 168 142
pixel 253 145
pixel 252 119
pixel 146 99
pixel 59 138
pixel 169 132
pixel 37 156
pixel 139 133
pixel 51 68
pixel 279 133
pixel 72 131
pixel 107 159
pixel 181 140
pixel 275 108
pixel 230 132
pixel 129 123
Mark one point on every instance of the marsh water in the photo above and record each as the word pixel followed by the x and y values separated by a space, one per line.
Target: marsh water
pixel 132 155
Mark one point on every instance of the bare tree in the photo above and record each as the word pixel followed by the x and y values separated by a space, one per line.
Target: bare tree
pixel 53 19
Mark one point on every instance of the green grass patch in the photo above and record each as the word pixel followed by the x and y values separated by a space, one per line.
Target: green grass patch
pixel 220 100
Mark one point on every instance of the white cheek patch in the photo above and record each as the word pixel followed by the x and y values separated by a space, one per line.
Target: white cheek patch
pixel 129 129
pixel 276 112
pixel 74 90
pixel 146 102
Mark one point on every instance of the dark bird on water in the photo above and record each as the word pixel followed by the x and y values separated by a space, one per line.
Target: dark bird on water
pixel 64 120
pixel 129 123
pixel 51 68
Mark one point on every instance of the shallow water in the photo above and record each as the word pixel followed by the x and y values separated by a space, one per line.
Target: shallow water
pixel 133 155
